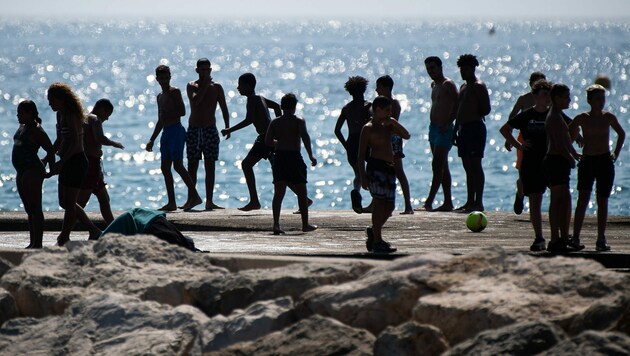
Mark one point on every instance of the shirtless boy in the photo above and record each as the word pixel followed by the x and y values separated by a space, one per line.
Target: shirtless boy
pixel 284 133
pixel 170 110
pixel 443 110
pixel 597 163
pixel 523 103
pixel 258 115
pixel 94 139
pixel 380 175
pixel 202 135
pixel 557 165
pixel 355 114
pixel 384 87
pixel 473 106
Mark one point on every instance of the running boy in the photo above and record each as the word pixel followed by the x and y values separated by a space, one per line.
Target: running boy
pixel 284 133
pixel 384 86
pixel 258 115
pixel 202 136
pixel 380 175
pixel 355 114
pixel 170 110
pixel 94 139
pixel 597 163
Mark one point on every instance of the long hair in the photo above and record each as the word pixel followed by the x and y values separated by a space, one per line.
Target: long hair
pixel 30 106
pixel 71 103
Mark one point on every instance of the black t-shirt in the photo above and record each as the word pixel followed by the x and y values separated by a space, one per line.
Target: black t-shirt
pixel 531 123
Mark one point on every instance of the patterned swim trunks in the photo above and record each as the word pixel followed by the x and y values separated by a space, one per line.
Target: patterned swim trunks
pixel 202 140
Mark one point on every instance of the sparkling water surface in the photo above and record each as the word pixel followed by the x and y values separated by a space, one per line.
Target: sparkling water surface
pixel 313 59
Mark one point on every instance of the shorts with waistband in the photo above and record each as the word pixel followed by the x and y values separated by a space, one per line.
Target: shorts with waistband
pixel 471 139
pixel 260 150
pixel 439 138
pixel 172 142
pixel 598 168
pixel 381 176
pixel 288 166
pixel 94 179
pixel 352 149
pixel 557 170
pixel 202 140
pixel 73 171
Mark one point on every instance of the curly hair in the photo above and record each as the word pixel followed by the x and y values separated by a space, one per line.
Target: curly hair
pixel 467 60
pixel 71 103
pixel 541 84
pixel 356 85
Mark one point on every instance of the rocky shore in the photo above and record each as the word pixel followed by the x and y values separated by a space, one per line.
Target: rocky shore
pixel 139 295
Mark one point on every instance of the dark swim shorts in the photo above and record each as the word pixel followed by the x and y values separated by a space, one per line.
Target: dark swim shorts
pixel 73 171
pixel 288 166
pixel 202 140
pixel 557 170
pixel 471 139
pixel 172 142
pixel 381 176
pixel 260 150
pixel 596 168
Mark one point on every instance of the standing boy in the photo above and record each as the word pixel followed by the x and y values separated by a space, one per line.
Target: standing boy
pixel 258 115
pixel 170 110
pixel 284 133
pixel 380 175
pixel 202 136
pixel 355 114
pixel 443 111
pixel 597 163
pixel 474 105
pixel 523 103
pixel 94 139
pixel 384 86
pixel 557 165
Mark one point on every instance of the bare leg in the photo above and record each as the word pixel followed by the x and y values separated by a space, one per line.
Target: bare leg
pixel 602 215
pixel 210 177
pixel 30 190
pixel 441 176
pixel 381 212
pixel 193 197
pixel 73 212
pixel 171 204
pixel 103 202
pixel 303 203
pixel 535 215
pixel 584 196
pixel 404 185
pixel 248 170
pixel 279 190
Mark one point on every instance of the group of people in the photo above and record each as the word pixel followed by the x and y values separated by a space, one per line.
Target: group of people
pixel 374 146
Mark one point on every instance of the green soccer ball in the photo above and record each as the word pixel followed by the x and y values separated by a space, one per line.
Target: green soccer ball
pixel 476 221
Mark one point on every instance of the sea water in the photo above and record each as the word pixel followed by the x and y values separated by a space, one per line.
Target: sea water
pixel 312 59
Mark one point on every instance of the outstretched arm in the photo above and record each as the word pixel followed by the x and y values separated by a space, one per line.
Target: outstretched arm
pixel 97 129
pixel 274 106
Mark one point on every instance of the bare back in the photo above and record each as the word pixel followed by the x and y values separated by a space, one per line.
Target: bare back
pixel 443 103
pixel 258 112
pixel 356 114
pixel 473 103
pixel 287 131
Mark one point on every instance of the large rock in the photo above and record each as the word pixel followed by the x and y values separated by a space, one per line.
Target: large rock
pixel 382 297
pixel 594 343
pixel 108 324
pixel 8 307
pixel 411 339
pixel 521 288
pixel 312 336
pixel 257 320
pixel 526 338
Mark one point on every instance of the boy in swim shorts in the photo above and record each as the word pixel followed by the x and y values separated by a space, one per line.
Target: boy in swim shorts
pixel 597 163
pixel 379 177
pixel 170 110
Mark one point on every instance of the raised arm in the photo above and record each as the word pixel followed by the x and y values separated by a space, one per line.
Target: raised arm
pixel 196 91
pixel 273 106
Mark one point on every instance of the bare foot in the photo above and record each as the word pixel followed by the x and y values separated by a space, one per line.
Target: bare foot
pixel 95 235
pixel 213 206
pixel 307 228
pixel 444 207
pixel 168 207
pixel 463 209
pixel 278 231
pixel 62 240
pixel 408 211
pixel 191 203
pixel 250 206
pixel 310 202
